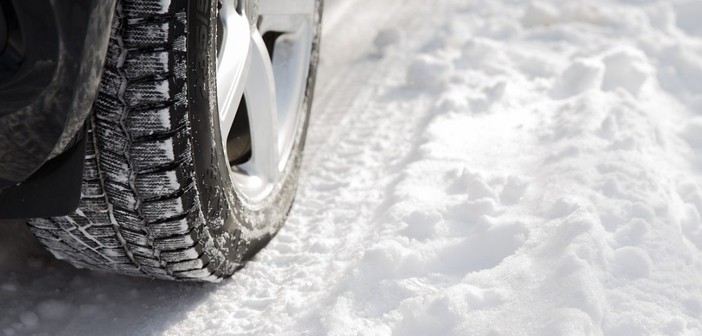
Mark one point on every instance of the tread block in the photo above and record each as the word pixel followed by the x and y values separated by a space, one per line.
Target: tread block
pixel 172 227
pixel 92 189
pixel 70 253
pixel 157 272
pixel 142 33
pixel 182 255
pixel 92 203
pixel 113 253
pixel 188 265
pixel 112 83
pixel 100 231
pixel 143 251
pixel 126 268
pixel 148 262
pixel 148 123
pixel 90 171
pixel 97 218
pixel 158 184
pixel 144 8
pixel 151 92
pixel 121 196
pixel 110 242
pixel 114 52
pixel 47 234
pixel 128 220
pixel 148 155
pixel 110 135
pixel 64 223
pixel 41 223
pixel 193 274
pixel 177 242
pixel 135 238
pixel 108 107
pixel 114 167
pixel 156 211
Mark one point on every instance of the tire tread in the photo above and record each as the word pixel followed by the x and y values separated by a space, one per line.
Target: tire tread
pixel 139 212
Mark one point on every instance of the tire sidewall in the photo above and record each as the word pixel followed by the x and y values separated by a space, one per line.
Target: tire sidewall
pixel 233 226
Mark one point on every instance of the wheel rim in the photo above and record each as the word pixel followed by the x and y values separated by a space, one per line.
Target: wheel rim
pixel 264 51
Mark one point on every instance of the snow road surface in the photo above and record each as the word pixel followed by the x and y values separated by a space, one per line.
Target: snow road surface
pixel 473 168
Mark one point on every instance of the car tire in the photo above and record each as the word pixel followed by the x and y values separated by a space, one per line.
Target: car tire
pixel 159 196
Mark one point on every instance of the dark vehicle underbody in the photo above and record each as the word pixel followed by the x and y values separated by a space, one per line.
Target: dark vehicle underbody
pixel 51 58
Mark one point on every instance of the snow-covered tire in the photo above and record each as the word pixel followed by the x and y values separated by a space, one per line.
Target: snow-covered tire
pixel 158 198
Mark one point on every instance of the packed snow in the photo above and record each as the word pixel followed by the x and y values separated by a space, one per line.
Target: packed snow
pixel 473 168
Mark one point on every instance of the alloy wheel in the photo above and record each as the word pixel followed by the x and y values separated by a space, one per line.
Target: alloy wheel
pixel 264 51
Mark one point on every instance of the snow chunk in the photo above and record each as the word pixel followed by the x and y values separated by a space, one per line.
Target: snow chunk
pixel 484 54
pixel 421 225
pixel 688 14
pixel 693 132
pixel 513 190
pixel 390 257
pixel 485 248
pixel 473 185
pixel 632 262
pixel 691 224
pixel 633 232
pixel 540 14
pixel 386 38
pixel 429 72
pixel 165 5
pixel 563 207
pixel 628 69
pixel 470 211
pixel 491 95
pixel 569 321
pixel 442 313
pixel 582 75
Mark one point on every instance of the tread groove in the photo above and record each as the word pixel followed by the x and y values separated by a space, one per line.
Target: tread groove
pixel 130 162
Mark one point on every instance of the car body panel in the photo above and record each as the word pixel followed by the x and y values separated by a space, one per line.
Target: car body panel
pixel 45 101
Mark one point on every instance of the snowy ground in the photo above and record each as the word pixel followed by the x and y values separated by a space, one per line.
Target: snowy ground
pixel 474 168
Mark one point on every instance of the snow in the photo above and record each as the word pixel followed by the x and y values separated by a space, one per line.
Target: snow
pixel 473 168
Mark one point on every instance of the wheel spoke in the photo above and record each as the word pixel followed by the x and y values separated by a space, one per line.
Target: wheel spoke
pixel 260 93
pixel 284 15
pixel 286 7
pixel 291 79
pixel 272 86
pixel 233 65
